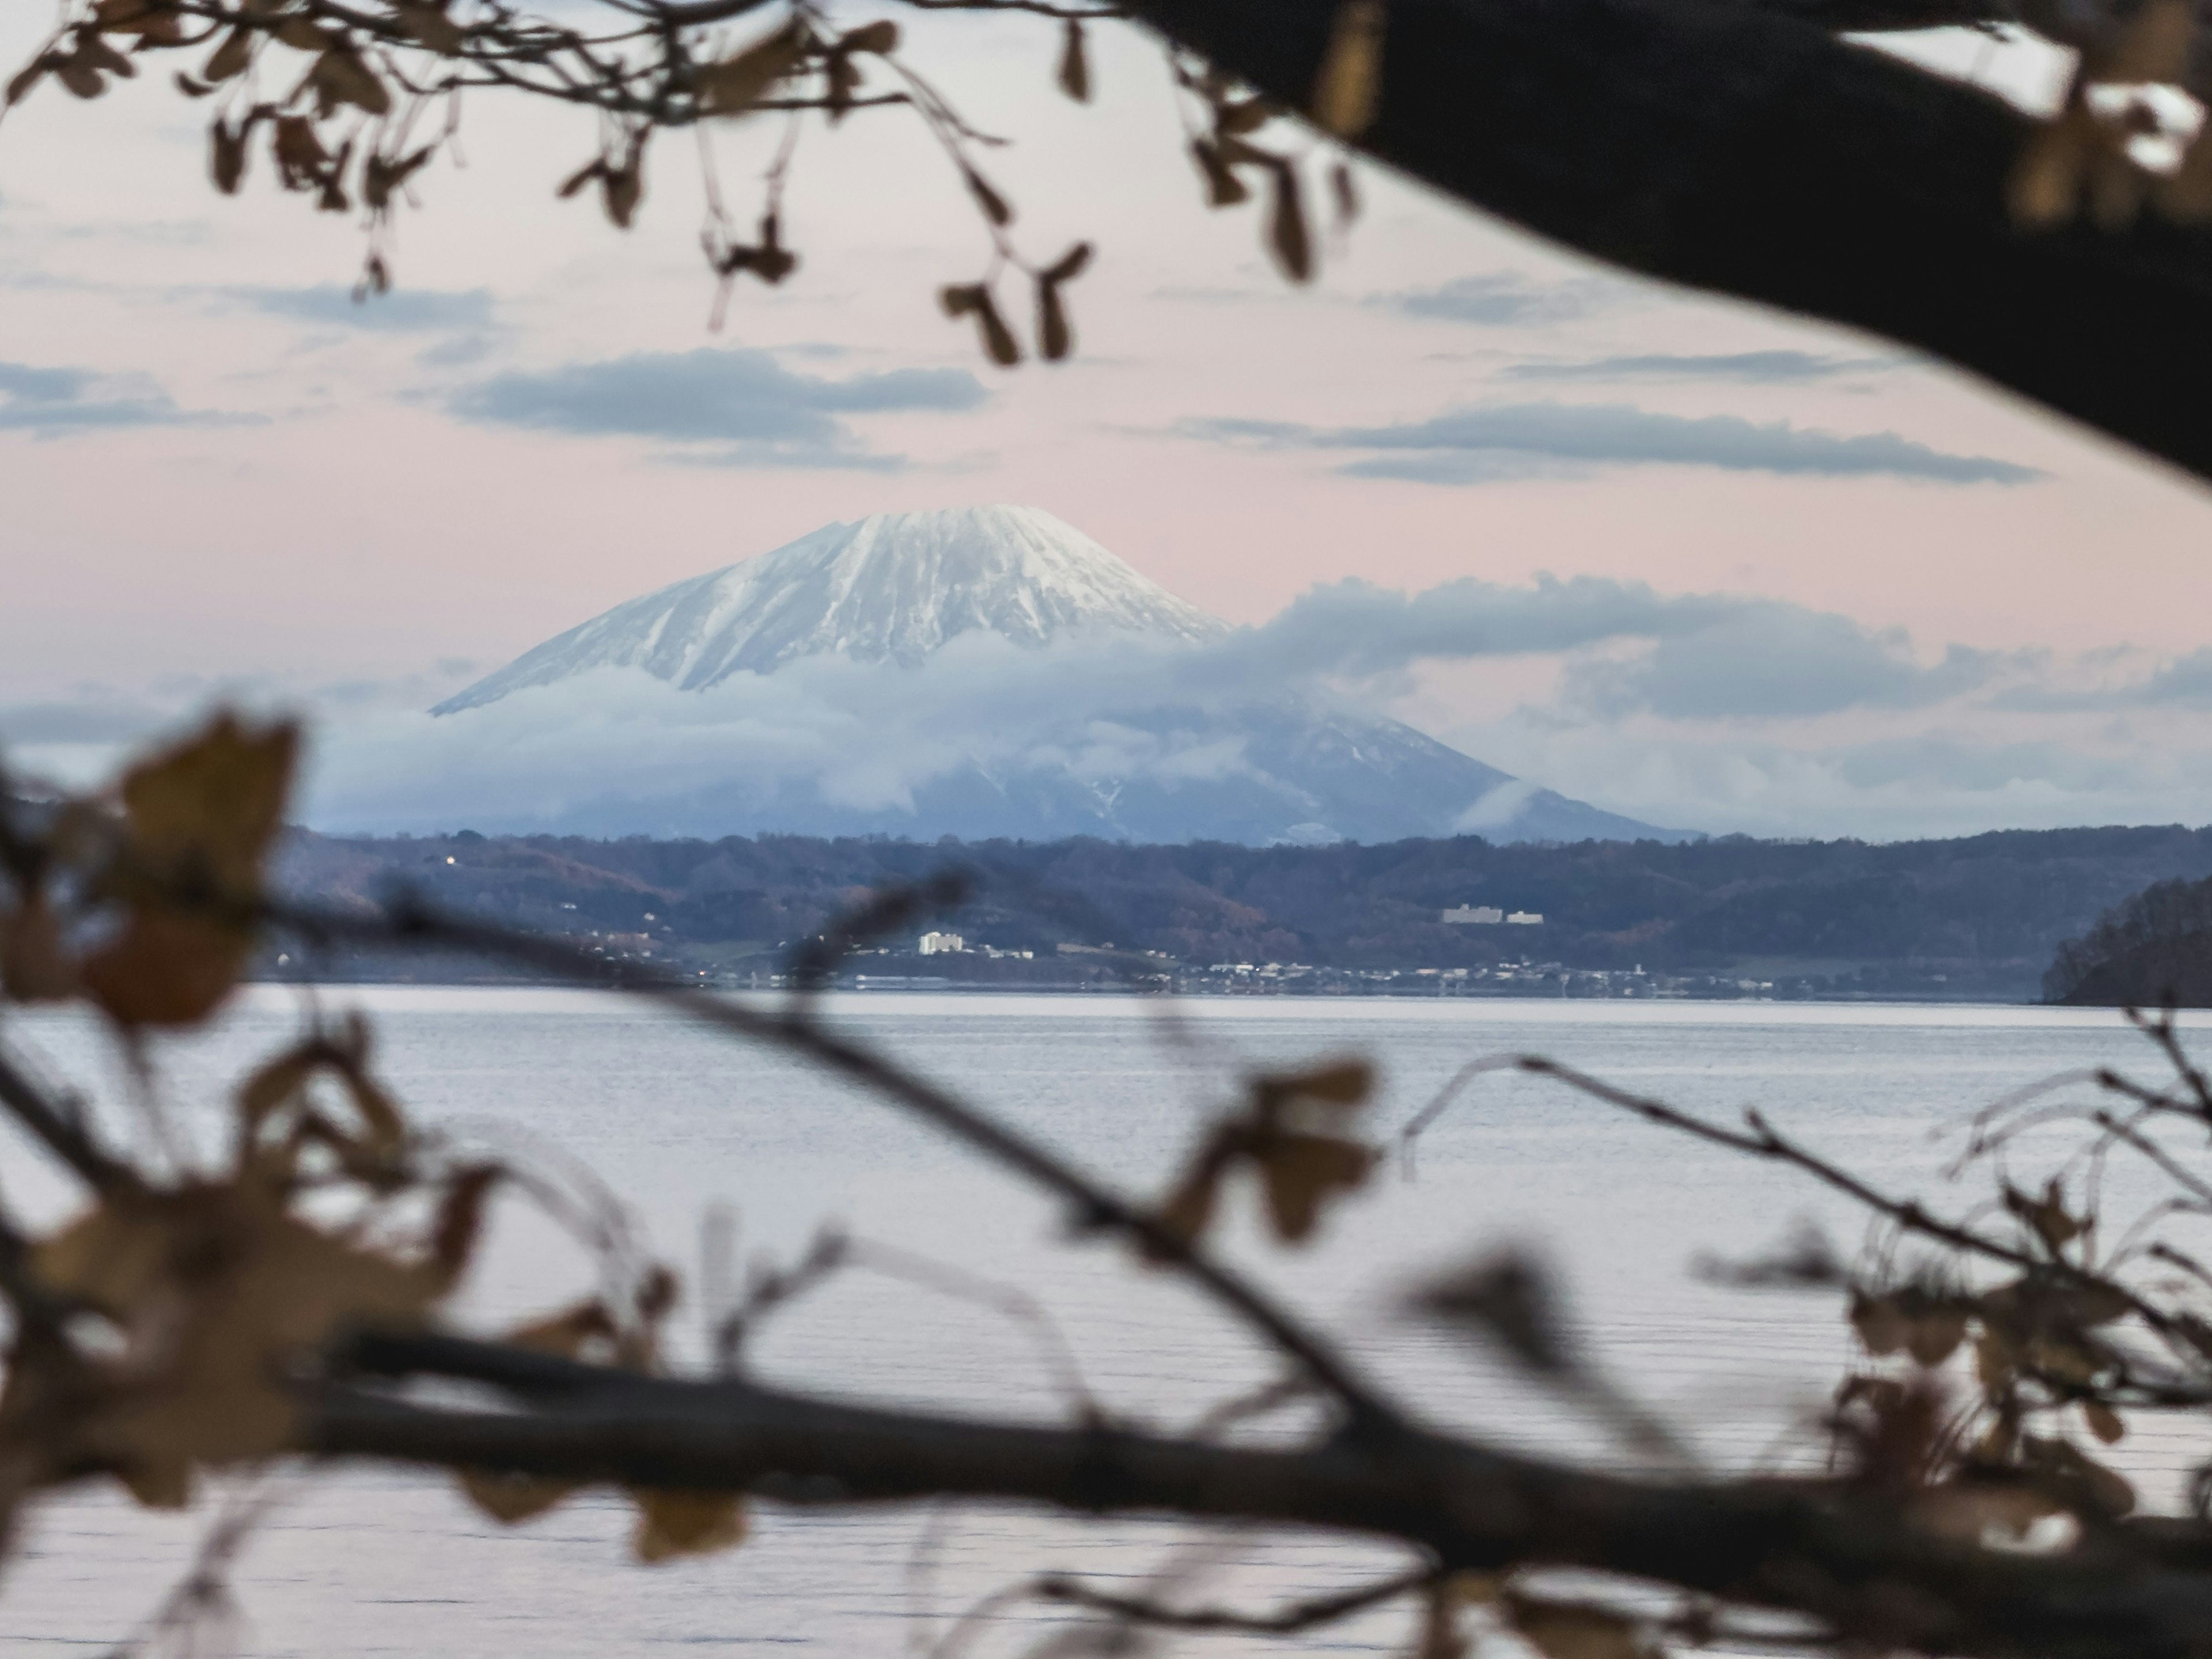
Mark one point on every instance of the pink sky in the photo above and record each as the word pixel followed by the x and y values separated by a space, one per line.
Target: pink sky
pixel 342 521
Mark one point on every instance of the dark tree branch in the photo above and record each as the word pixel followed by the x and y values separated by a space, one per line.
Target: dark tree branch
pixel 1845 1555
pixel 1741 149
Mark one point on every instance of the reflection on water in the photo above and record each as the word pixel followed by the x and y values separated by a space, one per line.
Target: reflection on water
pixel 371 1563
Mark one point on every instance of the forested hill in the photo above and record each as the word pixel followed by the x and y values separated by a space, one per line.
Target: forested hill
pixel 1980 915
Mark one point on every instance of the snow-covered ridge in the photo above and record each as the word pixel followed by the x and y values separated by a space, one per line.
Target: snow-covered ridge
pixel 892 588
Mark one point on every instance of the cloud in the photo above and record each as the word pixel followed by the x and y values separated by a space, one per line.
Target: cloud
pixel 53 402
pixel 1498 298
pixel 735 407
pixel 1477 444
pixel 1749 367
pixel 1766 660
pixel 1629 649
pixel 403 310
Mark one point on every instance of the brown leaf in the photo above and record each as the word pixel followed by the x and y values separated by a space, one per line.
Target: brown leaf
pixel 1880 1324
pixel 998 339
pixel 302 33
pixel 1188 1211
pixel 34 966
pixel 81 79
pixel 1508 1298
pixel 1055 339
pixel 1345 190
pixel 512 1499
pixel 2048 1215
pixel 670 1524
pixel 1934 1336
pixel 1074 61
pixel 231 58
pixel 20 83
pixel 226 157
pixel 1348 86
pixel 880 37
pixel 1286 227
pixel 200 815
pixel 1246 115
pixel 1338 1083
pixel 380 177
pixel 1223 187
pixel 2104 1422
pixel 1070 264
pixel 1964 1509
pixel 1561 1630
pixel 341 77
pixel 301 157
pixel 215 1289
pixel 1301 1171
pixel 994 204
pixel 623 187
pixel 428 23
pixel 738 82
pixel 583 175
pixel 2079 1476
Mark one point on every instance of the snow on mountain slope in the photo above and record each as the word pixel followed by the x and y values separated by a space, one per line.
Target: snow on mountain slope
pixel 893 587
pixel 975 671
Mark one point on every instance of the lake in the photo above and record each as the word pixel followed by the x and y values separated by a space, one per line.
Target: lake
pixel 678 1122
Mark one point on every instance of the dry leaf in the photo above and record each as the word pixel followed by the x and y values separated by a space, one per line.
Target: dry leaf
pixel 1223 187
pixel 226 157
pixel 231 58
pixel 1286 227
pixel 1508 1298
pixel 34 965
pixel 670 1523
pixel 1562 1630
pixel 1348 86
pixel 339 76
pixel 19 84
pixel 1055 339
pixel 1074 61
pixel 2104 1422
pixel 738 82
pixel 1301 1171
pixel 215 1288
pixel 623 187
pixel 429 24
pixel 994 204
pixel 200 815
pixel 1345 190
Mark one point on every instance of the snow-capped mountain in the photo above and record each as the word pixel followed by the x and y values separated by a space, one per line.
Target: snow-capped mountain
pixel 892 588
pixel 975 672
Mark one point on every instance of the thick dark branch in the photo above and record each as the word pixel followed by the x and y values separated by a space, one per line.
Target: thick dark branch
pixel 1736 148
pixel 1837 1553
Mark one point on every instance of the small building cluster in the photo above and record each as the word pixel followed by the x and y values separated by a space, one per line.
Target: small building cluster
pixel 1489 915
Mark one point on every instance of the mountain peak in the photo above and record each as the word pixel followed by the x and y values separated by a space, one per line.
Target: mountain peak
pixel 892 588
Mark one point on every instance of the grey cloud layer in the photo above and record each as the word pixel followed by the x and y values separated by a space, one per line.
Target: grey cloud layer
pixel 1476 445
pixel 1698 657
pixel 1748 367
pixel 745 403
pixel 403 310
pixel 1499 299
pixel 53 403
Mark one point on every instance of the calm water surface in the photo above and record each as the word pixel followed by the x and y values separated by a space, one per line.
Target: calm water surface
pixel 675 1121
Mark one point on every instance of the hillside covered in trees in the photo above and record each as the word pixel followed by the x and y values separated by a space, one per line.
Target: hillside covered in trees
pixel 1979 916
